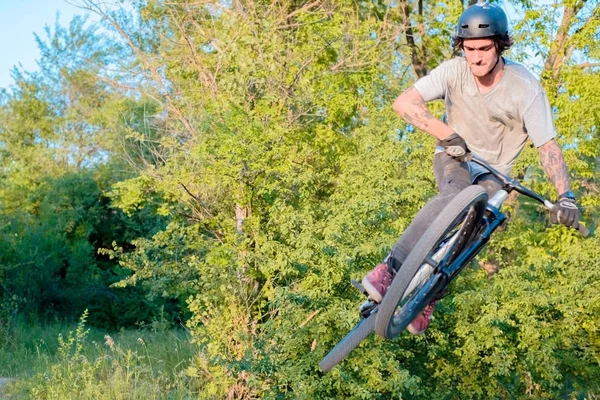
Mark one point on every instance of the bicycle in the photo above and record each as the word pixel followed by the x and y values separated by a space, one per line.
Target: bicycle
pixel 454 238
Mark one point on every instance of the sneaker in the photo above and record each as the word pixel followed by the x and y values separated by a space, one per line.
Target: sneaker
pixel 420 324
pixel 377 281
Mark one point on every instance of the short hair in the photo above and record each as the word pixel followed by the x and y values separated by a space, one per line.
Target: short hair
pixel 501 42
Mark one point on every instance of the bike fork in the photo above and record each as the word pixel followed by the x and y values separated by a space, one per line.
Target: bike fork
pixel 429 266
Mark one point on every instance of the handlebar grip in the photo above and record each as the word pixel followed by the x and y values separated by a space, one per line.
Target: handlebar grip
pixel 583 230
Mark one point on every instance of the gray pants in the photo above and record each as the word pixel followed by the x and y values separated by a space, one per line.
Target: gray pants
pixel 452 177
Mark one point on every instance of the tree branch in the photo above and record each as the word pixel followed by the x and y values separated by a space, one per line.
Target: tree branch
pixel 92 6
pixel 557 55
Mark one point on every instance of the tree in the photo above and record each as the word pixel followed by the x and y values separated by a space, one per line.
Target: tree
pixel 64 135
pixel 282 173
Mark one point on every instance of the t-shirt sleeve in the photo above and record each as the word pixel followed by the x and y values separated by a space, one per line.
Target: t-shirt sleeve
pixel 538 120
pixel 434 86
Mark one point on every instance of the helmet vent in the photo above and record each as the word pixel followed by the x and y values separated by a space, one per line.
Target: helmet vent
pixel 483 26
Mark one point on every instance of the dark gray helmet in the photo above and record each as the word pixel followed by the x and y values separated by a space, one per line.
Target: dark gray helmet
pixel 482 20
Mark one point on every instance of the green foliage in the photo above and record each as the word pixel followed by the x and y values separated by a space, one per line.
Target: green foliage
pixel 62 138
pixel 529 331
pixel 85 363
pixel 49 258
pixel 253 166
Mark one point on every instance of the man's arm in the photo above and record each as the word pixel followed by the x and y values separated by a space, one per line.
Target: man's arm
pixel 412 108
pixel 554 164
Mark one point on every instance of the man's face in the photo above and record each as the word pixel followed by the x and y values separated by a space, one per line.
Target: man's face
pixel 481 55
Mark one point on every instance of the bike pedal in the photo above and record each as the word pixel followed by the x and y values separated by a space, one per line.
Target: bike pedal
pixel 366 308
pixel 358 286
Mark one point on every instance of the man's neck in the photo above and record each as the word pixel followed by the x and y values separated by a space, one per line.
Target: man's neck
pixel 487 83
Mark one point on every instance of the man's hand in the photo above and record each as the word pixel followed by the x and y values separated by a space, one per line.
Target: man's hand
pixel 567 212
pixel 455 146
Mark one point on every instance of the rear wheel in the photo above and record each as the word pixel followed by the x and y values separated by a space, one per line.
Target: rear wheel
pixel 417 283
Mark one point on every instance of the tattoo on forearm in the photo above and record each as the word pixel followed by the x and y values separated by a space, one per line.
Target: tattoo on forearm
pixel 420 116
pixel 554 164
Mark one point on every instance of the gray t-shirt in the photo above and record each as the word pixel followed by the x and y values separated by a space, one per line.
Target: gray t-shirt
pixel 495 125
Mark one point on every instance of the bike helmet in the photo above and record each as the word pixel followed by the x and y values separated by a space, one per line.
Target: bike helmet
pixel 482 20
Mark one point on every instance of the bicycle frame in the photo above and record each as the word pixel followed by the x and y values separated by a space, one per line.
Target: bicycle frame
pixel 490 221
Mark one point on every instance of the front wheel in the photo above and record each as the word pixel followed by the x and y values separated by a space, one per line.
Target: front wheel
pixel 417 283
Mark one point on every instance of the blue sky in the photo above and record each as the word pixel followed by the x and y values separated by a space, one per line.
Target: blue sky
pixel 19 20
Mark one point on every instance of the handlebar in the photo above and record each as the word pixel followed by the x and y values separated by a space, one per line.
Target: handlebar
pixel 509 184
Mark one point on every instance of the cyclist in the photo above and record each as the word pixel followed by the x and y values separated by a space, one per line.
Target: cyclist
pixel 493 105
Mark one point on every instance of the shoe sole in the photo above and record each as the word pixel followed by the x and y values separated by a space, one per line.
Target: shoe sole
pixel 371 291
pixel 413 331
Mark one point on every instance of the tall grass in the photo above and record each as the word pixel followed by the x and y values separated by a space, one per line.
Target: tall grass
pixel 74 362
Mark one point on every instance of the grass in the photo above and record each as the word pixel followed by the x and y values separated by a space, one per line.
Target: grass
pixel 73 362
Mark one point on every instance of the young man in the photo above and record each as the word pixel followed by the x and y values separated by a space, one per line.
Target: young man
pixel 493 106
